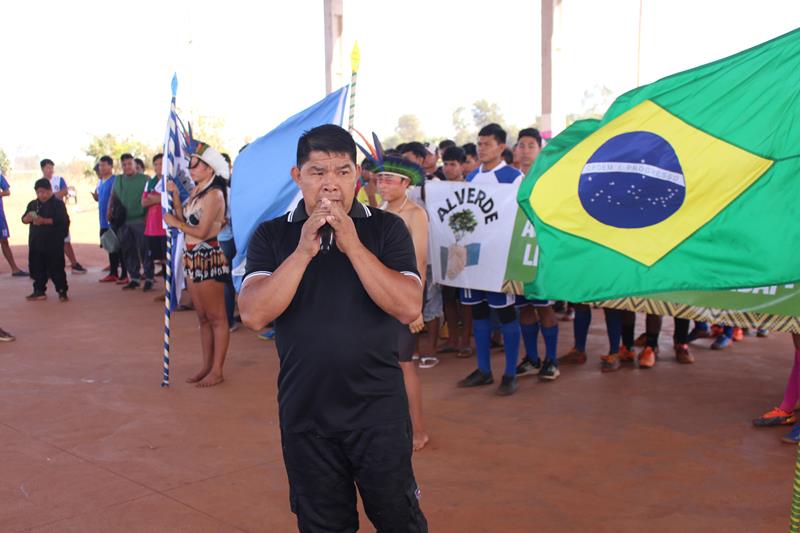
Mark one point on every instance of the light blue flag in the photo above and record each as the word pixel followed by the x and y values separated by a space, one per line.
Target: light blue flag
pixel 261 186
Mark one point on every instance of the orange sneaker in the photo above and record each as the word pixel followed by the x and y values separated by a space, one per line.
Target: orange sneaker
pixel 626 356
pixel 647 357
pixel 609 363
pixel 573 357
pixel 776 417
pixel 738 334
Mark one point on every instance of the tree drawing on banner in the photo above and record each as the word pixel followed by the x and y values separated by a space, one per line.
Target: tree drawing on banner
pixel 462 223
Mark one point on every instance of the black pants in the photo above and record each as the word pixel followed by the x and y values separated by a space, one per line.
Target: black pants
pixel 134 250
pixel 115 260
pixel 47 261
pixel 324 471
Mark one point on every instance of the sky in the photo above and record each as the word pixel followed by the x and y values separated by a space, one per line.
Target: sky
pixel 76 69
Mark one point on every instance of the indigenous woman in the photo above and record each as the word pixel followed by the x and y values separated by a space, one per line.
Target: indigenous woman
pixel 205 266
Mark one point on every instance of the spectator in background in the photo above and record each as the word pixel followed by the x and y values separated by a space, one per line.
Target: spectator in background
pixel 445 144
pixel 368 192
pixel 61 191
pixel 128 189
pixel 471 163
pixel 48 221
pixel 5 234
pixel 413 151
pixel 102 195
pixel 508 156
pixel 154 232
pixel 431 162
pixel 139 165
pixel 228 246
pixel 529 144
pixel 454 313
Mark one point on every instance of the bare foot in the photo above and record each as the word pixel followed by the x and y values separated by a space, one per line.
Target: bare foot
pixel 210 380
pixel 420 440
pixel 197 377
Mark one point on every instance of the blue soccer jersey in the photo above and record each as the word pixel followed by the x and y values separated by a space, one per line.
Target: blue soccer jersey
pixel 4 186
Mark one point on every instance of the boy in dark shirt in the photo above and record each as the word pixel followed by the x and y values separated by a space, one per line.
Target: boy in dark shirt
pixel 49 224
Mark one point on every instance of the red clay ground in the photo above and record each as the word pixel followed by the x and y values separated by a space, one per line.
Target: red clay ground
pixel 90 442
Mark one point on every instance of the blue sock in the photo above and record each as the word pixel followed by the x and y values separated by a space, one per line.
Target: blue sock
pixel 701 325
pixel 511 335
pixel 728 331
pixel 482 329
pixel 530 337
pixel 551 343
pixel 614 329
pixel 580 327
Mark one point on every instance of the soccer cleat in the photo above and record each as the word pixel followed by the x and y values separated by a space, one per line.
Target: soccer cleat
pixel 775 417
pixel 36 296
pixel 476 379
pixel 609 363
pixel 793 437
pixel 682 354
pixel 78 269
pixel 641 340
pixel 108 279
pixel 130 286
pixel 123 281
pixel 762 333
pixel 549 371
pixel 148 286
pixel 626 356
pixel 6 336
pixel 268 335
pixel 20 274
pixel 573 357
pixel 721 343
pixel 528 366
pixel 647 357
pixel 508 386
pixel 738 335
pixel 62 296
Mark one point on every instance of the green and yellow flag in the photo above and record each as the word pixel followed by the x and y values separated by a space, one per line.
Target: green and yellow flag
pixel 689 183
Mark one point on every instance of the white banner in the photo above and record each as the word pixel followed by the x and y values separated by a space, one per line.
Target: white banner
pixel 471 226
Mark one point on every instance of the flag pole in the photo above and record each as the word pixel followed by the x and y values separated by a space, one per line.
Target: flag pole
pixel 794 524
pixel 355 59
pixel 172 164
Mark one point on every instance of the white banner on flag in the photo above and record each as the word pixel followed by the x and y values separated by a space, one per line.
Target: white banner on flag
pixel 471 226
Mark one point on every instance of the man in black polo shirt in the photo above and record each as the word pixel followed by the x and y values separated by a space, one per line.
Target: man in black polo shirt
pixel 343 408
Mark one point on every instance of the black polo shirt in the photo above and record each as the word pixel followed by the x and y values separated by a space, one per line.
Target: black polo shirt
pixel 338 349
pixel 46 236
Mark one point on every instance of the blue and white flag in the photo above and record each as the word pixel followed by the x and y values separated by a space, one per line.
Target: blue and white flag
pixel 262 186
pixel 176 169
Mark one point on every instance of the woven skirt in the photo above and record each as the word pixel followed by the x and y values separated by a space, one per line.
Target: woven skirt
pixel 205 260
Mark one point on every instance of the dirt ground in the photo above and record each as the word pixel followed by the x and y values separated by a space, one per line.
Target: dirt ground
pixel 90 442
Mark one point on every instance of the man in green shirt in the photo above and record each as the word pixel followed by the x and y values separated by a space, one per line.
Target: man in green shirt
pixel 128 189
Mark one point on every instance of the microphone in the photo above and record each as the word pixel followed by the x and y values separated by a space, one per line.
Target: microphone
pixel 325 238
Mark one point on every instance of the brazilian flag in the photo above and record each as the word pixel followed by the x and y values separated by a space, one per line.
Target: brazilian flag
pixel 689 183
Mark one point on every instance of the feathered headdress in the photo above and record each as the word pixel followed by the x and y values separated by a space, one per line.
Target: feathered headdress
pixel 390 164
pixel 205 153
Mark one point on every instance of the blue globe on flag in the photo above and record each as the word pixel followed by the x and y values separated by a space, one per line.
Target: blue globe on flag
pixel 634 180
